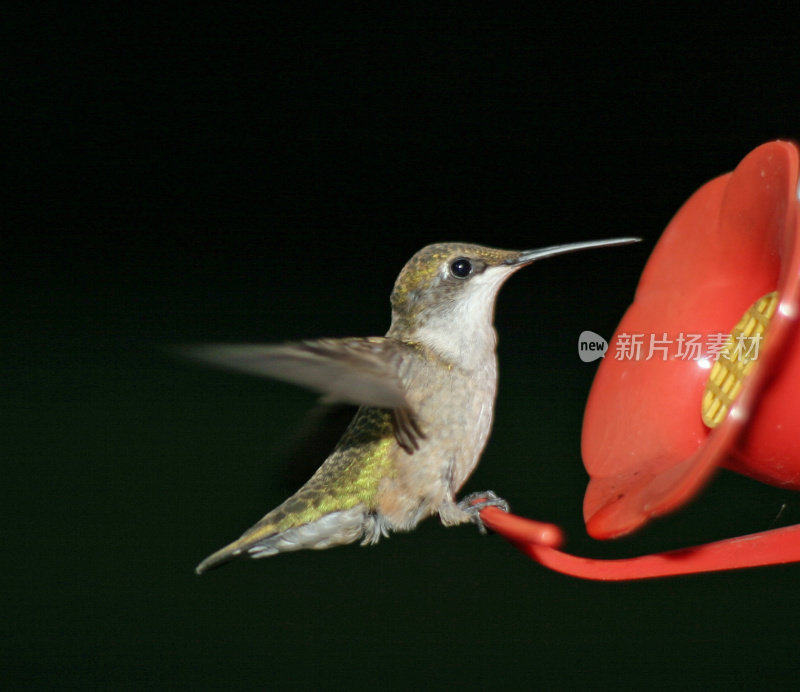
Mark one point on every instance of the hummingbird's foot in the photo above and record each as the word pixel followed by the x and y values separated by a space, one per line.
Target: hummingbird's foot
pixel 473 503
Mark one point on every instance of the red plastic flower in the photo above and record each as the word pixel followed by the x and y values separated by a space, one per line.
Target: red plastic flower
pixel 703 371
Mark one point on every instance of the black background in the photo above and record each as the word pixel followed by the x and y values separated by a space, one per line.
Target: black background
pixel 261 174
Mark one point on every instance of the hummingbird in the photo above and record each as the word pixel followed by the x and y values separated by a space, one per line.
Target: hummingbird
pixel 425 392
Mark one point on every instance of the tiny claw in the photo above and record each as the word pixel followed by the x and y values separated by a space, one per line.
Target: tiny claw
pixel 473 503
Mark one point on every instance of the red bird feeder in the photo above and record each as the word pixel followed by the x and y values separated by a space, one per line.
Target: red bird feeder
pixel 703 371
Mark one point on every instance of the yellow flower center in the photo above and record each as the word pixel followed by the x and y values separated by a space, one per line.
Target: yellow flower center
pixel 736 360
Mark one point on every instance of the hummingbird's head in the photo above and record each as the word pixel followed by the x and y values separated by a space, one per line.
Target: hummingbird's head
pixel 451 279
pixel 446 292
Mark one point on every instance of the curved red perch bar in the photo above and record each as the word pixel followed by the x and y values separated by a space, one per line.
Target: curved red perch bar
pixel 775 547
pixel 659 422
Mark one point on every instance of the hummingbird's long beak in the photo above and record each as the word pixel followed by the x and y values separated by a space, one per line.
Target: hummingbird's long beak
pixel 528 256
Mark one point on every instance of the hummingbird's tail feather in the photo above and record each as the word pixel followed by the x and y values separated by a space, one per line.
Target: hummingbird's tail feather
pixel 217 559
pixel 264 539
pixel 262 533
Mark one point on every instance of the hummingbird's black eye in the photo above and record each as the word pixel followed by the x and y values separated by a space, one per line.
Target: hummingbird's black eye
pixel 461 268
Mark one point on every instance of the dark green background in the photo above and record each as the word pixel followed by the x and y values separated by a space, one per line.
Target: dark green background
pixel 255 175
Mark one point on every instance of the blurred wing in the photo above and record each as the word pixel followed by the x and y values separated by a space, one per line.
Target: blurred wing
pixel 319 431
pixel 354 371
pixel 361 371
